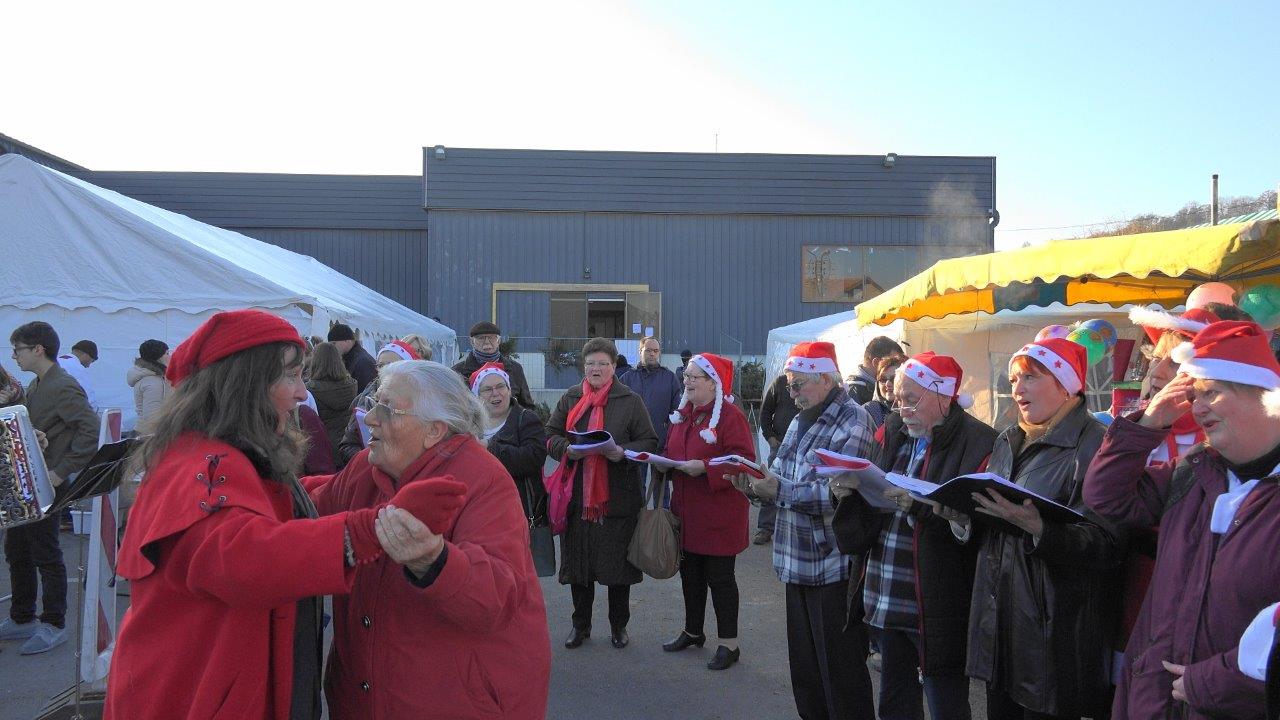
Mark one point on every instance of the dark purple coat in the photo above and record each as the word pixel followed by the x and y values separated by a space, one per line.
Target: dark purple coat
pixel 1206 588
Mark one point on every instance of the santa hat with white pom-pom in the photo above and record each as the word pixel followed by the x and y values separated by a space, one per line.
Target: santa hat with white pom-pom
pixel 1233 351
pixel 937 373
pixel 720 370
pixel 1155 322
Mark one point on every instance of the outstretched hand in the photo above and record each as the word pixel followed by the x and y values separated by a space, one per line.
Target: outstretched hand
pixel 407 540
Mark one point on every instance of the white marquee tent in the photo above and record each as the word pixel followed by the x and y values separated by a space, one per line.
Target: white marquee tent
pixel 101 266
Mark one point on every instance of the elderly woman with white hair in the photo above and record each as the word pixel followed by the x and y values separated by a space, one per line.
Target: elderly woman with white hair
pixel 450 623
pixel 410 347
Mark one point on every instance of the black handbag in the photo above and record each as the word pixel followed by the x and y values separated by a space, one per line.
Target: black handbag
pixel 541 542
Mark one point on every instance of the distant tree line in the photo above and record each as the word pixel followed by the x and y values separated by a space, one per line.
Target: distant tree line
pixel 1193 213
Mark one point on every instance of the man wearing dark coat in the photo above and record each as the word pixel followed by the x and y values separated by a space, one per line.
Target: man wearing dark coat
pixel 915 592
pixel 485 337
pixel 358 361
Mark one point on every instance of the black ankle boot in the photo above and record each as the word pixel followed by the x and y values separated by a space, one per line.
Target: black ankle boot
pixel 576 636
pixel 685 640
pixel 724 658
pixel 620 638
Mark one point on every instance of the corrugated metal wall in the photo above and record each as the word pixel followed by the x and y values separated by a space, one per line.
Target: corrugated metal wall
pixel 391 262
pixel 565 180
pixel 720 275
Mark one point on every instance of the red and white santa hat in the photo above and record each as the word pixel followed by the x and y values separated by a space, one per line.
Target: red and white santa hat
pixel 1155 322
pixel 1233 351
pixel 813 357
pixel 1067 361
pixel 401 348
pixel 484 371
pixel 720 370
pixel 937 373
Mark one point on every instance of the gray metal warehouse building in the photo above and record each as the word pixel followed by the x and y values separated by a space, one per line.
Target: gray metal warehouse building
pixel 709 250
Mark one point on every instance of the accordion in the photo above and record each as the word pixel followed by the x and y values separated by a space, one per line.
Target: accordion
pixel 25 493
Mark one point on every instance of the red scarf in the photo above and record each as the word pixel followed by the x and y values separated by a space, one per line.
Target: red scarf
pixel 1185 425
pixel 595 468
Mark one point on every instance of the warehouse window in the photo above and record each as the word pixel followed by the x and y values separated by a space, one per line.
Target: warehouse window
pixel 847 273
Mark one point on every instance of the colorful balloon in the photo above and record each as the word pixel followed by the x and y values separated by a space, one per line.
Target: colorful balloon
pixel 1104 329
pixel 1263 303
pixel 1211 292
pixel 1053 331
pixel 1092 343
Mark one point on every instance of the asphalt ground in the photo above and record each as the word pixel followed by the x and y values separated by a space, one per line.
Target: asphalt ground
pixel 594 680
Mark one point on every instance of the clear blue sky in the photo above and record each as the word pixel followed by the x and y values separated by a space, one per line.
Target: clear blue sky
pixel 1095 111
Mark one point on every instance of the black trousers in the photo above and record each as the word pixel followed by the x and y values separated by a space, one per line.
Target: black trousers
pixel 829 676
pixel 30 549
pixel 901 683
pixel 1002 707
pixel 697 574
pixel 584 596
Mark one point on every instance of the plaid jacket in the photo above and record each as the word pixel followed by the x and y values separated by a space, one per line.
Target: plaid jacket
pixel 889 589
pixel 804 546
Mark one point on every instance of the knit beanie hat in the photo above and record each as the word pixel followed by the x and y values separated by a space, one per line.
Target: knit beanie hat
pixel 341 331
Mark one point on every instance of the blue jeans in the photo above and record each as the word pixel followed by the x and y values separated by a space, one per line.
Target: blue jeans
pixel 900 683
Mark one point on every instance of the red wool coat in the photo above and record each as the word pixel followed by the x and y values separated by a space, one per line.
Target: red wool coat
pixel 472 645
pixel 713 513
pixel 216 573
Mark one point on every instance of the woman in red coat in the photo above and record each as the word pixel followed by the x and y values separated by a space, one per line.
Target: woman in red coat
pixel 223 550
pixel 450 623
pixel 713 514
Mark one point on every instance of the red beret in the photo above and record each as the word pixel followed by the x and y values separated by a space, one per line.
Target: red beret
pixel 227 333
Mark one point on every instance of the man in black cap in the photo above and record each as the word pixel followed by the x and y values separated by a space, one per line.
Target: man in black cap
pixel 358 360
pixel 83 354
pixel 485 337
pixel 685 356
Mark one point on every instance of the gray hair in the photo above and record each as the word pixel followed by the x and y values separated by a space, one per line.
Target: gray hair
pixel 436 392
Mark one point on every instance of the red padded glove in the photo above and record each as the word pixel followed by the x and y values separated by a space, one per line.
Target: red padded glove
pixel 435 501
pixel 364 539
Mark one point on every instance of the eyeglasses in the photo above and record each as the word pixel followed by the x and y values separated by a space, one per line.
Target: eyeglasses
pixel 691 376
pixel 797 386
pixel 492 390
pixel 383 411
pixel 16 348
pixel 597 364
pixel 899 408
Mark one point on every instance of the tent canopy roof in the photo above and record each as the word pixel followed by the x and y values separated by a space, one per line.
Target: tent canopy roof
pixel 1117 270
pixel 86 246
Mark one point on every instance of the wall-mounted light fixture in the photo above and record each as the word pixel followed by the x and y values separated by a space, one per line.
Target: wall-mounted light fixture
pixel 890 160
pixel 439 152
